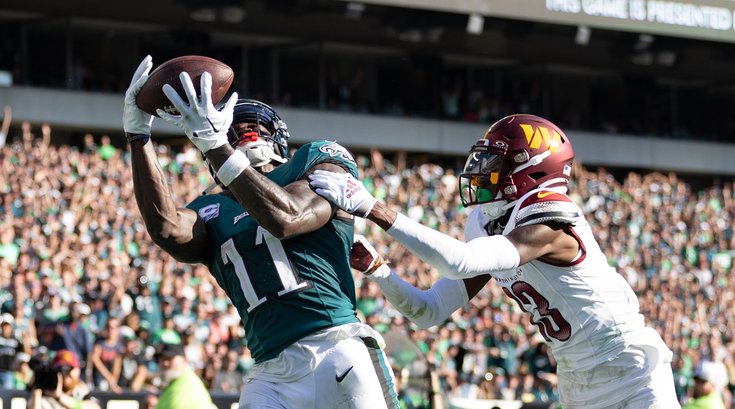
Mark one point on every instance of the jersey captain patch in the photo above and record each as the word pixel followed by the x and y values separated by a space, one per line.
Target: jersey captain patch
pixel 334 149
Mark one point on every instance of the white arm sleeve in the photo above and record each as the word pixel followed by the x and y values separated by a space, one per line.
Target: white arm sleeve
pixel 424 308
pixel 475 225
pixel 453 258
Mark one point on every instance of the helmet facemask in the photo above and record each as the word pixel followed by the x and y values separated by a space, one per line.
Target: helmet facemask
pixel 261 148
pixel 480 181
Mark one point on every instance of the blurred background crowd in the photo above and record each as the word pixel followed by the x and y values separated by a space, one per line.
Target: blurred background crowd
pixel 78 272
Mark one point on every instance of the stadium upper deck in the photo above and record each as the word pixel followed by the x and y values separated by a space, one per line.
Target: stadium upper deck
pixel 578 62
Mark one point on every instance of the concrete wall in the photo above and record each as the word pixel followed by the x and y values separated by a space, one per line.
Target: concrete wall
pixel 99 112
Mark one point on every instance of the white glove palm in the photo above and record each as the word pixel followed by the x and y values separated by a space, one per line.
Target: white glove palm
pixel 342 189
pixel 135 120
pixel 205 125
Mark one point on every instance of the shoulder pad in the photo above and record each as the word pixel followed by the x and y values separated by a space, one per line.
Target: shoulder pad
pixel 334 150
pixel 547 206
pixel 330 151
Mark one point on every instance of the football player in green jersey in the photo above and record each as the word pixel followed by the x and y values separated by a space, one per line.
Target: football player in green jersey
pixel 280 251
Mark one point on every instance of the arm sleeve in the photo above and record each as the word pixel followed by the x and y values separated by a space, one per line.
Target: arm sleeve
pixel 424 308
pixel 475 225
pixel 453 258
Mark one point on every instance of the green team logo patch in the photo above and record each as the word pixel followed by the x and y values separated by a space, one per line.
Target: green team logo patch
pixel 334 149
pixel 209 212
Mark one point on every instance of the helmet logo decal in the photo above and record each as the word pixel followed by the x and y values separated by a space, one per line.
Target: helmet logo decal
pixel 539 135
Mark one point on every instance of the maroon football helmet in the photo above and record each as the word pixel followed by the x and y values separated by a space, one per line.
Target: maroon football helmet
pixel 516 155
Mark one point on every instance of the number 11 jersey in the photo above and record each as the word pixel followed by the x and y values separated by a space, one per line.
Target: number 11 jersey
pixel 285 289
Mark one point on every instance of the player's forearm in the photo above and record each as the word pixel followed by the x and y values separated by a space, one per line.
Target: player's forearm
pixel 276 209
pixel 152 193
pixel 453 258
pixel 382 215
pixel 424 308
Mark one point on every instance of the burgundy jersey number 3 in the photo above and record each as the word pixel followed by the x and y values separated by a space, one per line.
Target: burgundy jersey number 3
pixel 550 322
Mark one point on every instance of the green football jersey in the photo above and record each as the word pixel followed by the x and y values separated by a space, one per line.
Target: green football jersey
pixel 283 289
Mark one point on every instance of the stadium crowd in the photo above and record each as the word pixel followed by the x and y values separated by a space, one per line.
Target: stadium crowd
pixel 78 272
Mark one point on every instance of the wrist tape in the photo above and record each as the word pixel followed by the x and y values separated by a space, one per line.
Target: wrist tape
pixel 233 167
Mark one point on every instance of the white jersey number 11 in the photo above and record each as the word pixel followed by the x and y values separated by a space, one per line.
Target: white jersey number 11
pixel 286 275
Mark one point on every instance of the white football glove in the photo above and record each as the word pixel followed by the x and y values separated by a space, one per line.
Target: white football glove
pixel 136 122
pixel 365 259
pixel 205 125
pixel 342 189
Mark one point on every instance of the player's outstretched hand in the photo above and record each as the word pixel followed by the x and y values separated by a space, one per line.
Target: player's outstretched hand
pixel 342 189
pixel 365 259
pixel 135 121
pixel 205 125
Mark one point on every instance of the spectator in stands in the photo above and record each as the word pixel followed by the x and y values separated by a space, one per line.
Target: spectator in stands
pixel 133 371
pixel 106 150
pixel 194 349
pixel 23 371
pixel 182 387
pixel 70 392
pixel 709 380
pixel 168 332
pixel 227 378
pixel 654 226
pixel 9 249
pixel 450 97
pixel 107 357
pixel 148 305
pixel 78 338
pixel 10 347
pixel 150 401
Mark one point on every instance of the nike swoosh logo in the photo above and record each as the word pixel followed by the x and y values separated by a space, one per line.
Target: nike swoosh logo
pixel 340 378
pixel 542 195
pixel 214 128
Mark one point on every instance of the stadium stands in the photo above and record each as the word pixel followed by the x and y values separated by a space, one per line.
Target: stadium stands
pixel 71 237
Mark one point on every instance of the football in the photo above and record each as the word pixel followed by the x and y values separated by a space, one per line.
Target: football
pixel 151 96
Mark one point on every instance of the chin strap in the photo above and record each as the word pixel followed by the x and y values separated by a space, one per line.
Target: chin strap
pixel 209 188
pixel 260 153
